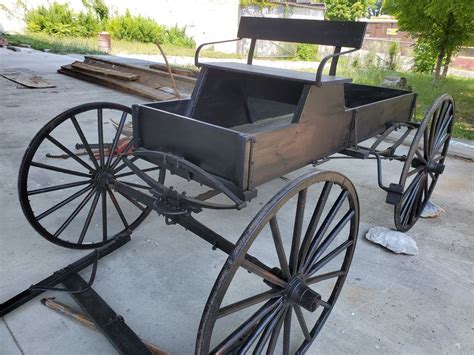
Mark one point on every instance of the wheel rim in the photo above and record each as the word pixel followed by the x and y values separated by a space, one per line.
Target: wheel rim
pixel 290 290
pixel 68 200
pixel 425 162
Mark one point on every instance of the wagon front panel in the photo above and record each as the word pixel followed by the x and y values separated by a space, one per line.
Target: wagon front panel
pixel 217 150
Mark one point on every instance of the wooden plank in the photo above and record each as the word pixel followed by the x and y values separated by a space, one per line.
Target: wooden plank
pixel 324 129
pixel 175 70
pixel 27 79
pixel 128 86
pixel 105 72
pixel 137 69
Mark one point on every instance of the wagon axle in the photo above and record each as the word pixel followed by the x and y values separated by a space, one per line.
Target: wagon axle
pixel 297 292
pixel 430 166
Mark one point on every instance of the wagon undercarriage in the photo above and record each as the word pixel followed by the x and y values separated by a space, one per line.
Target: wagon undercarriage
pixel 243 126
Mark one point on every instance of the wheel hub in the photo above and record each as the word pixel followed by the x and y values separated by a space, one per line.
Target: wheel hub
pixel 297 292
pixel 430 167
pixel 102 178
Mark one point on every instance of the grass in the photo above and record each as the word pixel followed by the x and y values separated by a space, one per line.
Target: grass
pixel 460 88
pixel 63 45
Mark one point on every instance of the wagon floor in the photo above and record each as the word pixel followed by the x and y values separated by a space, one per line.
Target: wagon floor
pixel 265 125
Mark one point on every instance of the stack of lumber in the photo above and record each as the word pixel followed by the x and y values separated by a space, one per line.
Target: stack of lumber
pixel 149 83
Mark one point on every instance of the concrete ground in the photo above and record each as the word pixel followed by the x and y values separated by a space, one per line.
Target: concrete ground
pixel 160 281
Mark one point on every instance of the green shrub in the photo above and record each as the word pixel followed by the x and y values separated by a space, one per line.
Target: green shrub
pixel 393 56
pixel 177 36
pixel 134 28
pixel 425 57
pixel 307 52
pixel 60 20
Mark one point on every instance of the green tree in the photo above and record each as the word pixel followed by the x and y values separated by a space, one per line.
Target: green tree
pixel 441 26
pixel 349 10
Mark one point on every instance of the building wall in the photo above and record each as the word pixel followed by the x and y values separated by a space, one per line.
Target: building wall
pixel 205 20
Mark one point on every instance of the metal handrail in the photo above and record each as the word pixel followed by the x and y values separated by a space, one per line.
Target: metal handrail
pixel 319 73
pixel 198 50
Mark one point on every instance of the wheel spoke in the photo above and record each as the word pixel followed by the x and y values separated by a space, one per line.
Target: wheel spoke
pixel 138 186
pixel 118 209
pixel 89 217
pixel 298 227
pixel 287 332
pixel 74 213
pixel 302 322
pixel 313 224
pixel 132 201
pixel 119 157
pixel 58 187
pixel 84 141
pixel 445 118
pixel 420 156
pixel 279 247
pixel 269 331
pixel 408 201
pixel 426 145
pixel 276 333
pixel 264 274
pixel 69 153
pixel 133 173
pixel 326 276
pixel 234 337
pixel 329 239
pixel 261 326
pixel 330 256
pixel 248 302
pixel 63 203
pixel 123 166
pixel 59 170
pixel 101 135
pixel 416 170
pixel 116 138
pixel 440 143
pixel 104 215
pixel 324 227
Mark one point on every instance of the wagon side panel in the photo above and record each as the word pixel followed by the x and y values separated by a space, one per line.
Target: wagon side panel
pixel 372 119
pixel 324 129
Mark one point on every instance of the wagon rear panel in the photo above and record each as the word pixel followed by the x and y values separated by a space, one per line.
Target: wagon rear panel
pixel 374 107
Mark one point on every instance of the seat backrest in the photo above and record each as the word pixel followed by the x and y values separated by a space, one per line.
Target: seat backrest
pixel 328 33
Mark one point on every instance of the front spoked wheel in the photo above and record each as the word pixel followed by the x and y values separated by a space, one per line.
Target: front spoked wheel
pixel 279 285
pixel 66 172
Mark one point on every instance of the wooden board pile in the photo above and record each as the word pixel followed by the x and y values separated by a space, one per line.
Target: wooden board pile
pixel 154 84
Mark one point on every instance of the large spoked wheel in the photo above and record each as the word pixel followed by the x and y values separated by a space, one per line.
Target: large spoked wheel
pixel 66 173
pixel 425 162
pixel 286 271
